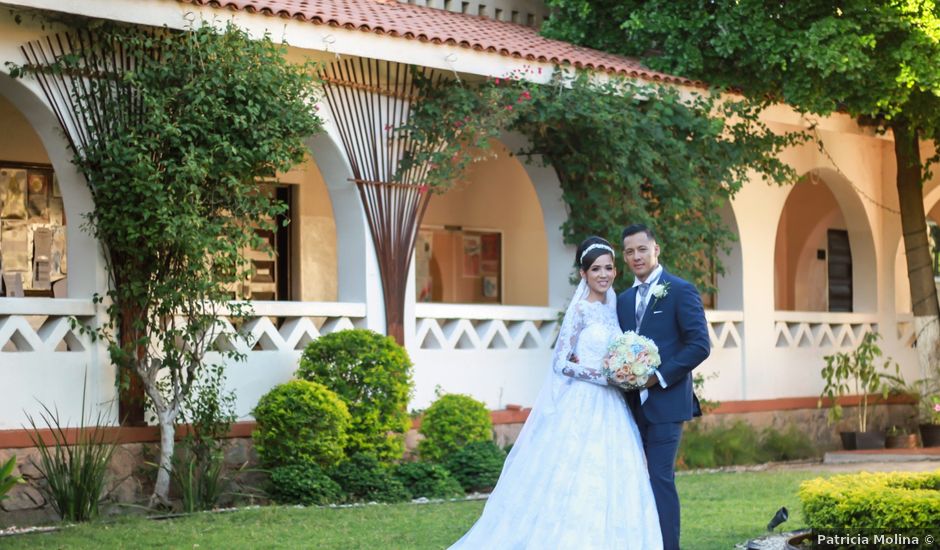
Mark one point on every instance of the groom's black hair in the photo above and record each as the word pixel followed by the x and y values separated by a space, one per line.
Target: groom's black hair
pixel 637 228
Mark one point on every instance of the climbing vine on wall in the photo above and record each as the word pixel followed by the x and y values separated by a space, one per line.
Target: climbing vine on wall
pixel 624 151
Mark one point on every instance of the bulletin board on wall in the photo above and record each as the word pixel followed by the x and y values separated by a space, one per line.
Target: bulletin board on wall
pixel 32 231
pixel 457 265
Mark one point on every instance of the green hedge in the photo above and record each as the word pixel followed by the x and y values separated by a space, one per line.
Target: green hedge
pixel 885 502
pixel 364 479
pixel 300 422
pixel 450 423
pixel 303 484
pixel 740 443
pixel 372 374
pixel 423 479
pixel 477 465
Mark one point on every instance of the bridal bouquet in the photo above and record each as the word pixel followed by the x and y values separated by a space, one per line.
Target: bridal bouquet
pixel 631 360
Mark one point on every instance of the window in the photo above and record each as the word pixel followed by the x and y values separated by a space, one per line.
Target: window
pixel 457 265
pixel 32 231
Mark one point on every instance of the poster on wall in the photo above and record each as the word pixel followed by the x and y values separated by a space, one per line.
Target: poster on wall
pixel 59 265
pixel 489 254
pixel 42 258
pixel 38 197
pixel 471 255
pixel 424 248
pixel 14 246
pixel 490 286
pixel 13 194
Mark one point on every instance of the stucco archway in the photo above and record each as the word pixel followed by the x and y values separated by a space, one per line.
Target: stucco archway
pixel 86 274
pixel 822 200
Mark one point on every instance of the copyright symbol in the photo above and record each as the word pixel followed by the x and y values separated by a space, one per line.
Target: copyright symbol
pixel 928 539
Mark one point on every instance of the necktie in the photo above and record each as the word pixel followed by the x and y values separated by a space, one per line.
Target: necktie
pixel 641 308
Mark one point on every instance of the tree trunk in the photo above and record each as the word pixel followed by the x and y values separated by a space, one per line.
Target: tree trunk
pixel 916 245
pixel 131 400
pixel 167 418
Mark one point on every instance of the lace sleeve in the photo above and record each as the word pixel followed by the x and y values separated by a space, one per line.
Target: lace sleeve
pixel 564 348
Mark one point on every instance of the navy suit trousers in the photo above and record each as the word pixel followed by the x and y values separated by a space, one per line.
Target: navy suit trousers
pixel 661 445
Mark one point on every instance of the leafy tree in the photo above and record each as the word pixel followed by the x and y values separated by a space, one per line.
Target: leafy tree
pixel 875 60
pixel 174 145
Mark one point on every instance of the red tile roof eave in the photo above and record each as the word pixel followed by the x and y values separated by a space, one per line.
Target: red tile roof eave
pixel 651 76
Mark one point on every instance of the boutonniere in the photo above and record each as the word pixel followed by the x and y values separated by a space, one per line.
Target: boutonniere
pixel 660 290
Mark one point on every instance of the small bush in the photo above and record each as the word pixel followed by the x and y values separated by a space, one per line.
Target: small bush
pixel 740 443
pixel 874 502
pixel 199 462
pixel 450 423
pixel 476 466
pixel 372 374
pixel 300 422
pixel 364 479
pixel 304 484
pixel 423 479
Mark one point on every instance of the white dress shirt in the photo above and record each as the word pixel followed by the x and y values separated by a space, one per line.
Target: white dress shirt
pixel 652 279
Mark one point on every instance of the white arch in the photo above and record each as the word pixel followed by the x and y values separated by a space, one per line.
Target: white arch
pixel 731 284
pixel 547 187
pixel 86 271
pixel 861 239
pixel 357 271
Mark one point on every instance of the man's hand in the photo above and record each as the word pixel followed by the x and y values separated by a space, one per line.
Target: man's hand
pixel 653 381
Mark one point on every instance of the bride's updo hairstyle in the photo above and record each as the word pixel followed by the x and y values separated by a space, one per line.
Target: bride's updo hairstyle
pixel 590 250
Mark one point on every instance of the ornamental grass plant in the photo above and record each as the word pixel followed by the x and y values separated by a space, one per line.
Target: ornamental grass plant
pixel 73 474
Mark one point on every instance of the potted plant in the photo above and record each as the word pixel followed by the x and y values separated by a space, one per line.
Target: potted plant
pixel 927 393
pixel 899 437
pixel 857 373
pixel 930 414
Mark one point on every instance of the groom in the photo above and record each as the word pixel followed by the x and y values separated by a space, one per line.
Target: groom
pixel 669 311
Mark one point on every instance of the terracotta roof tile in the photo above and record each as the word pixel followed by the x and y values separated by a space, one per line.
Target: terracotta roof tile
pixel 436 26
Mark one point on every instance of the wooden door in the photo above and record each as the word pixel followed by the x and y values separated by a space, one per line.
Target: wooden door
pixel 840 271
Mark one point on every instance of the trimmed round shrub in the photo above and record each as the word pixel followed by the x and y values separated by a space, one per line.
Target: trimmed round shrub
pixel 372 374
pixel 477 466
pixel 423 479
pixel 300 422
pixel 304 484
pixel 364 479
pixel 450 423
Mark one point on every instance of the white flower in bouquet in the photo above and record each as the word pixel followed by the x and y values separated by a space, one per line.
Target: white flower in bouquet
pixel 631 360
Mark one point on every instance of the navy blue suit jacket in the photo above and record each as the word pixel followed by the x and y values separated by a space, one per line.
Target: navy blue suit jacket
pixel 676 323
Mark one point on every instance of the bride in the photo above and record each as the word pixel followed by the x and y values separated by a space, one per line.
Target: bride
pixel 576 476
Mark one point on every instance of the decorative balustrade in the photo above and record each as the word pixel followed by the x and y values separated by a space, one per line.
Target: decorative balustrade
pixel 800 329
pixel 725 328
pixel 484 327
pixel 289 326
pixel 44 325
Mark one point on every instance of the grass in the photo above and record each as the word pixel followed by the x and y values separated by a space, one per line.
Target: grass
pixel 719 510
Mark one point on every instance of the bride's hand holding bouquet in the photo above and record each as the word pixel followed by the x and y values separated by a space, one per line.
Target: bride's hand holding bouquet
pixel 631 361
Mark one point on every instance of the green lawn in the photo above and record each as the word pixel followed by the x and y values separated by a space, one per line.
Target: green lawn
pixel 719 510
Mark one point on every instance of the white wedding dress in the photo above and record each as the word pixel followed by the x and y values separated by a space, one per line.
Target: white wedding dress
pixel 576 477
